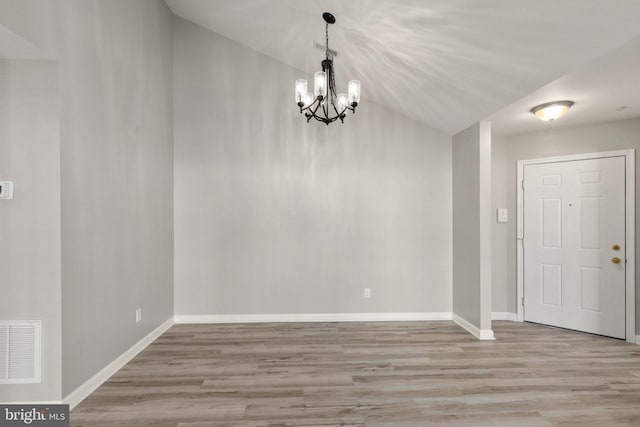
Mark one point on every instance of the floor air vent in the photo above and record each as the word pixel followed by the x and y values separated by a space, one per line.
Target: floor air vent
pixel 20 351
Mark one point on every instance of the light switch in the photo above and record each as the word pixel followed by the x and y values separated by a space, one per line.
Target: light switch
pixel 6 190
pixel 503 215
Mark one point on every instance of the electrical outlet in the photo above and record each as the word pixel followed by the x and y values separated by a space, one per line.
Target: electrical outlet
pixel 138 315
pixel 367 292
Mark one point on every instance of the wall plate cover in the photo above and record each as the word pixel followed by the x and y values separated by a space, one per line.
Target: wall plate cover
pixel 6 190
pixel 503 215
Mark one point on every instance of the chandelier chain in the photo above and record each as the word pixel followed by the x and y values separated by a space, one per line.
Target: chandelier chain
pixel 326 43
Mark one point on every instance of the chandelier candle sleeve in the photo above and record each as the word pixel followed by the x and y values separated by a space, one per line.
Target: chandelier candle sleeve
pixel 308 99
pixel 325 104
pixel 354 92
pixel 301 91
pixel 320 84
pixel 343 101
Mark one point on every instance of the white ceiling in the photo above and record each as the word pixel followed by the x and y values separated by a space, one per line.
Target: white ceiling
pixel 447 63
pixel 598 89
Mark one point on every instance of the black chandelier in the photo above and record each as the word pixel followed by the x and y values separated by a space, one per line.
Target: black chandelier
pixel 325 105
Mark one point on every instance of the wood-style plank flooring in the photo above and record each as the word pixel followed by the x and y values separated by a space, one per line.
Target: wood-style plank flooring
pixel 397 374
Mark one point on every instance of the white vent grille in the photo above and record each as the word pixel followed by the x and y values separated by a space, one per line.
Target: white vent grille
pixel 20 351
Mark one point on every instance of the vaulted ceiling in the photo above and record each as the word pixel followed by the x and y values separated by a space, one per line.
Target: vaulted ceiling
pixel 446 63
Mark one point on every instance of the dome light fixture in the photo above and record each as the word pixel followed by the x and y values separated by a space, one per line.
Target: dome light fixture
pixel 551 110
pixel 325 105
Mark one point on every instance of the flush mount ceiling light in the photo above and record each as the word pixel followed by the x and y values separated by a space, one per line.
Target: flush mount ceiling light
pixel 325 105
pixel 551 110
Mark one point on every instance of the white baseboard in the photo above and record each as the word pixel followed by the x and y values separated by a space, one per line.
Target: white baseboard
pixel 501 315
pixel 80 393
pixel 481 334
pixel 637 339
pixel 312 317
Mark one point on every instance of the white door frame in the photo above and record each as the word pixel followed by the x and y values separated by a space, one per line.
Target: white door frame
pixel 630 192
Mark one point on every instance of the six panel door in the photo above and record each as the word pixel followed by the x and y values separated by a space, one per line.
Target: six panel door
pixel 574 245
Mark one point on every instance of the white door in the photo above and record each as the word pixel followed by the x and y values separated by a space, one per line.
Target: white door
pixel 574 245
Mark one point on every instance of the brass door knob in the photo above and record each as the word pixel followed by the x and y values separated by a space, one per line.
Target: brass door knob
pixel 616 260
pixel 615 247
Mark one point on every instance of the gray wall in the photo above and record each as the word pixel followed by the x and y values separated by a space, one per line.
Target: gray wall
pixel 30 223
pixel 274 215
pixel 117 198
pixel 471 229
pixel 116 160
pixel 617 135
pixel 499 276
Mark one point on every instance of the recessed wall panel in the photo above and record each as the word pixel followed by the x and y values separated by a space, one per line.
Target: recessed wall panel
pixel 590 178
pixel 551 223
pixel 590 283
pixel 551 277
pixel 551 180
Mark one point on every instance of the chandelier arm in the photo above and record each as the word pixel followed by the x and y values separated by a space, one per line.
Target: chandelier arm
pixel 326 120
pixel 311 113
pixel 308 112
pixel 318 118
pixel 307 107
pixel 336 110
pixel 318 103
pixel 324 117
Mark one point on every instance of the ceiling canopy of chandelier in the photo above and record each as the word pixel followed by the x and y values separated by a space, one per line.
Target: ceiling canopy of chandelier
pixel 325 105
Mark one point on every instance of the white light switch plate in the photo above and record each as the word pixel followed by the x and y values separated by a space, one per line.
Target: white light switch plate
pixel 503 215
pixel 6 190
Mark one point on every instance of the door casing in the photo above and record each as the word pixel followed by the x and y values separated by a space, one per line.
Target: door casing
pixel 630 273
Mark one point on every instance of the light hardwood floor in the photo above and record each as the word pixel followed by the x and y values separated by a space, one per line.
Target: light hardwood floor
pixel 399 374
